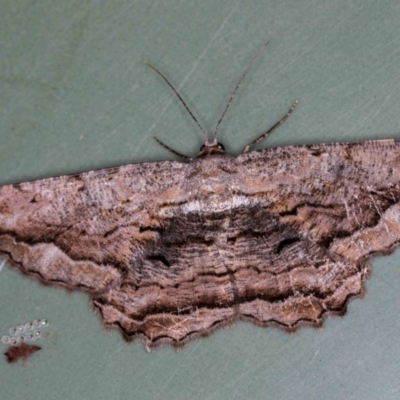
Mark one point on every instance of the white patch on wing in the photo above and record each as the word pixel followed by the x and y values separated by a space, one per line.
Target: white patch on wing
pixel 239 200
pixel 192 206
pixel 212 206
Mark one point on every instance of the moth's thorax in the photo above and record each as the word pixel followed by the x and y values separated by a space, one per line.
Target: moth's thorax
pixel 212 171
pixel 211 182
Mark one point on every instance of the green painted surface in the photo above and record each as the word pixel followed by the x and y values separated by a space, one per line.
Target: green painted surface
pixel 75 95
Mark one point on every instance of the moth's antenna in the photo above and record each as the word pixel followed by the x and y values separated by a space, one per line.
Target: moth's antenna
pixel 182 101
pixel 238 86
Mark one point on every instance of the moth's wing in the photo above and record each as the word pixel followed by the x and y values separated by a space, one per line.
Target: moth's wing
pixel 84 231
pixel 329 207
pixel 124 236
pixel 291 246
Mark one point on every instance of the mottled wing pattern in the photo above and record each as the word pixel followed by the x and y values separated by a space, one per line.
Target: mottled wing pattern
pixel 83 231
pixel 172 251
pixel 257 239
pixel 333 206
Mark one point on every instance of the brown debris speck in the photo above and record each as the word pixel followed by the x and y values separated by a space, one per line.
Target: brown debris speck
pixel 22 351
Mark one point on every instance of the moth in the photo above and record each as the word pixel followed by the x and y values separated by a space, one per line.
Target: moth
pixel 170 251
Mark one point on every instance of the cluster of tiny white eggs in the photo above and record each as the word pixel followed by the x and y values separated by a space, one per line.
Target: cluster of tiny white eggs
pixel 28 332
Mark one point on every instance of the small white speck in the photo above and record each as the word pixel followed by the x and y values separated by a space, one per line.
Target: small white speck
pixel 5 339
pixel 28 326
pixel 12 331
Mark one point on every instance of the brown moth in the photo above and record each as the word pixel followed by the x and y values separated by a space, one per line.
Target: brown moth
pixel 170 251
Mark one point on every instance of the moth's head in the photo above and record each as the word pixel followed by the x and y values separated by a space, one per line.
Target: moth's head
pixel 211 148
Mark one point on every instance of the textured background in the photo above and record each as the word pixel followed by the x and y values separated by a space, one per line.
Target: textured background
pixel 75 95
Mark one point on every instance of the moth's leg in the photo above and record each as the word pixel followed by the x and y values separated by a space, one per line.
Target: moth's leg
pixel 270 130
pixel 171 150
